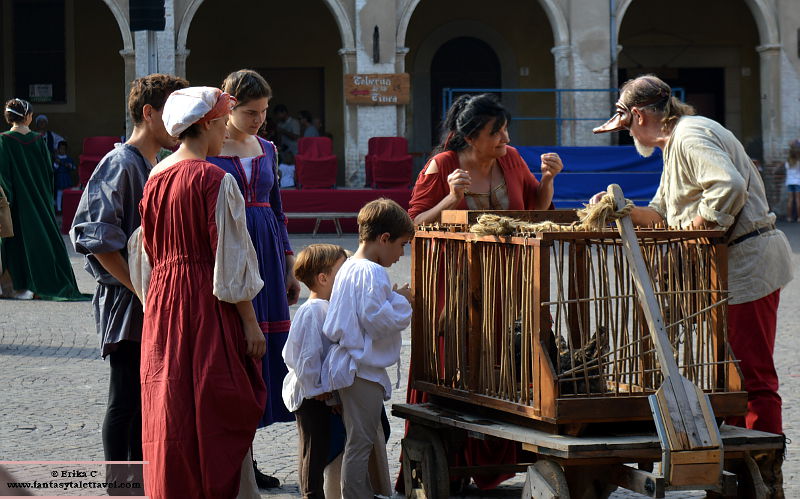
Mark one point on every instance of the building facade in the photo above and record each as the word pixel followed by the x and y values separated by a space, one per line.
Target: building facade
pixel 735 60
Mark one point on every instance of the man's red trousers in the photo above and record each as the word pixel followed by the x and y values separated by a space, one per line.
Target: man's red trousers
pixel 751 334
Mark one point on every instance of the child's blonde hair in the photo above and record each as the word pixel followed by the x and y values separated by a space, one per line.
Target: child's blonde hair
pixel 381 216
pixel 316 259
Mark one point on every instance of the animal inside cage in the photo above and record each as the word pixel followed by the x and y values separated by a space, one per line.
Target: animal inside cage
pixel 548 325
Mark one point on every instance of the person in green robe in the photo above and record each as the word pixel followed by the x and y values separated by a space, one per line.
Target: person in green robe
pixel 35 258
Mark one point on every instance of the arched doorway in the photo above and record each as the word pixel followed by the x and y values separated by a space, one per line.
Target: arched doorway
pixel 519 36
pixel 463 62
pixel 294 45
pixel 716 63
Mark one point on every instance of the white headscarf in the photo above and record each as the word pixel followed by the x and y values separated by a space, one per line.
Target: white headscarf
pixel 188 106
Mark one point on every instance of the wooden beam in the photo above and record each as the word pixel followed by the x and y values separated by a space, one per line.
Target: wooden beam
pixel 643 482
pixel 682 407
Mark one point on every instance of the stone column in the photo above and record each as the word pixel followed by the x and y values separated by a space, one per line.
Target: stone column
pixel 562 54
pixel 364 122
pixel 129 56
pixel 155 50
pixel 400 67
pixel 770 102
pixel 181 54
pixel 591 41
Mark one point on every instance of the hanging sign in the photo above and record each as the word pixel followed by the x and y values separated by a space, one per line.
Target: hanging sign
pixel 377 89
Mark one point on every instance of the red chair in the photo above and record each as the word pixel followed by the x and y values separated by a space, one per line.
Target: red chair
pixel 69 205
pixel 388 163
pixel 94 148
pixel 315 164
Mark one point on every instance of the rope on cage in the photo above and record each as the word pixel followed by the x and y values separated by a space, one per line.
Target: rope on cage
pixel 592 218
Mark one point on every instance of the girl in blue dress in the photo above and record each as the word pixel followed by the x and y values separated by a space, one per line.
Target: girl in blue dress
pixel 253 163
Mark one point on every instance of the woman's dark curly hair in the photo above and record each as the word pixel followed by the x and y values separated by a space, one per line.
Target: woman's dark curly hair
pixel 466 118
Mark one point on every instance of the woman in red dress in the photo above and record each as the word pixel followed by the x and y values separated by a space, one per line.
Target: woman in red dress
pixel 202 391
pixel 476 169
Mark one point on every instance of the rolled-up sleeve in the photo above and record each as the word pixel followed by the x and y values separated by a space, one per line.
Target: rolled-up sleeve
pixel 658 203
pixel 97 227
pixel 724 190
pixel 236 274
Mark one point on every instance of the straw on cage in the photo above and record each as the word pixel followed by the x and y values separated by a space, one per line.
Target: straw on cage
pixel 593 217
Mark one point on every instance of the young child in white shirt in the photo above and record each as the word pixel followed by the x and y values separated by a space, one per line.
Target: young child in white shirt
pixel 365 320
pixel 303 391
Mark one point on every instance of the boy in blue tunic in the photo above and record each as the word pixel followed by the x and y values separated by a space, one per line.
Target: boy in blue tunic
pixel 107 215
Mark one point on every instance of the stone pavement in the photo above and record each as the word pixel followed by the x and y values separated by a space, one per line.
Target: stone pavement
pixel 53 385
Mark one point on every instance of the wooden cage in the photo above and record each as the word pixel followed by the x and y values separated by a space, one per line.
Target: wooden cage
pixel 547 325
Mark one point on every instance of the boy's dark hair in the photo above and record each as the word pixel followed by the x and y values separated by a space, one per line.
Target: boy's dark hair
pixel 17 110
pixel 306 116
pixel 381 216
pixel 151 89
pixel 246 85
pixel 316 259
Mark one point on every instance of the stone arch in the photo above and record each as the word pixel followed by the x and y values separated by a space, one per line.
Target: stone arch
pixel 337 10
pixel 763 15
pixel 121 16
pixel 558 23
pixel 422 63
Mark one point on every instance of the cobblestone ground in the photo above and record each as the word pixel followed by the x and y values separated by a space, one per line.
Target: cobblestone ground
pixel 53 385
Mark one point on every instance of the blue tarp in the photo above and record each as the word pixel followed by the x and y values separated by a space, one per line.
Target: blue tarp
pixel 589 170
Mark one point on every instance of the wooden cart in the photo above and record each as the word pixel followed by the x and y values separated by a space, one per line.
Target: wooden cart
pixel 564 466
pixel 544 330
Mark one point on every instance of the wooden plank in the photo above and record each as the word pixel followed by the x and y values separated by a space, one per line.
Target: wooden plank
pixel 545 388
pixel 482 400
pixel 469 217
pixel 696 457
pixel 634 407
pixel 683 475
pixel 487 469
pixel 683 410
pixel 570 447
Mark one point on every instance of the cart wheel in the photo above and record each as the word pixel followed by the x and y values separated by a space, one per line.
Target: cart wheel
pixel 552 474
pixel 426 472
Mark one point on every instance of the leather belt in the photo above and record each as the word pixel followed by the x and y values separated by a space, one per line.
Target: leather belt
pixel 754 233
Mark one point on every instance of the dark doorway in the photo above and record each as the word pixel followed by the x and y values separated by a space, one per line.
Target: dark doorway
pixel 704 89
pixel 463 62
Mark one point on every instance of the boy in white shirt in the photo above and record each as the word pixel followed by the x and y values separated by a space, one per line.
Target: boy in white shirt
pixel 303 391
pixel 365 320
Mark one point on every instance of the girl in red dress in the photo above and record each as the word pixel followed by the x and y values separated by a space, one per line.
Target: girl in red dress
pixel 202 391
